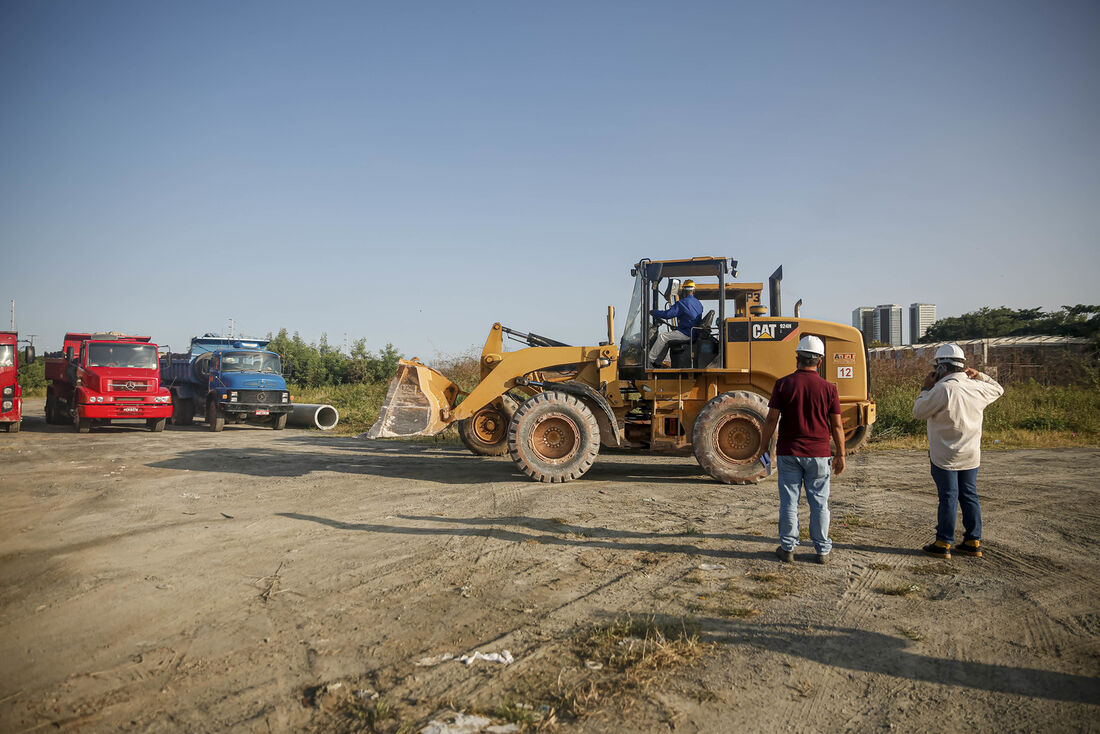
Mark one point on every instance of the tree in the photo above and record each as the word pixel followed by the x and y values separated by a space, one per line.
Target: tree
pixel 985 323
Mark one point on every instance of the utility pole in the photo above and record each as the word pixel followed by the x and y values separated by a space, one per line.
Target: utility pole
pixel 230 327
pixel 346 351
pixel 13 314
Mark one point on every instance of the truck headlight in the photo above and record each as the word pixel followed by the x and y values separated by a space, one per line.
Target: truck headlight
pixel 9 391
pixel 286 397
pixel 233 396
pixel 7 405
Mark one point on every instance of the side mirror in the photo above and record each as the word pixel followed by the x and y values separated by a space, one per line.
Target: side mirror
pixel 28 355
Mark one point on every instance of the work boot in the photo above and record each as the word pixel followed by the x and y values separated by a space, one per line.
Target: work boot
pixel 970 548
pixel 938 549
pixel 821 558
pixel 787 556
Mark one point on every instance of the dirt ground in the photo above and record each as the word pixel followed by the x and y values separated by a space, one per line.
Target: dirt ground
pixel 256 580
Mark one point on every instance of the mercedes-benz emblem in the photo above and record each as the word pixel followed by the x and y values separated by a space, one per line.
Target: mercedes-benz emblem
pixel 131 385
pixel 261 396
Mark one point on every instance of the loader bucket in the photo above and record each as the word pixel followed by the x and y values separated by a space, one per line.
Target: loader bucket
pixel 415 403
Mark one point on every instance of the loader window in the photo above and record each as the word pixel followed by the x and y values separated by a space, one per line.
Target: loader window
pixel 630 345
pixel 132 356
pixel 251 362
pixel 7 355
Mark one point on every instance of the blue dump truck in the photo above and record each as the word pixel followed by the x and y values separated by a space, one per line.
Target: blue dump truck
pixel 226 379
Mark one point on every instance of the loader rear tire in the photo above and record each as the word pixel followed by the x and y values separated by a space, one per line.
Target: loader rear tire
pixel 553 437
pixel 485 433
pixel 726 437
pixel 854 439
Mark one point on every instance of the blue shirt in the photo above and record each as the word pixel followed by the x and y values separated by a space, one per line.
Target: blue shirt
pixel 689 312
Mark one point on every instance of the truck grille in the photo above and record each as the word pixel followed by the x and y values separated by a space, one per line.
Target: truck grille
pixel 260 397
pixel 129 400
pixel 129 385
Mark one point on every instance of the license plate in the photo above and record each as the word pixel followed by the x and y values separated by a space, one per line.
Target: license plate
pixel 263 412
pixel 130 410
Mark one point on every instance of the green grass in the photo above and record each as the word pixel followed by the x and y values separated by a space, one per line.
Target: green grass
pixel 1029 414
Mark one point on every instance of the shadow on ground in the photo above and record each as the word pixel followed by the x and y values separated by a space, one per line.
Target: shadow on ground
pixel 871 652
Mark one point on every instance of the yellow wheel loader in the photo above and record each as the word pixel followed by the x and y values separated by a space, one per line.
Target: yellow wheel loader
pixel 551 406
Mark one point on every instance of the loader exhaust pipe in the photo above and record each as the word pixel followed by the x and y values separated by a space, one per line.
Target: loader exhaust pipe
pixel 313 415
pixel 773 291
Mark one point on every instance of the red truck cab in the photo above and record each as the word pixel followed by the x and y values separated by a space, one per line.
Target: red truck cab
pixel 11 395
pixel 100 378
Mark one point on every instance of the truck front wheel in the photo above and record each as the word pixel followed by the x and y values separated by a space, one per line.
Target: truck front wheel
pixel 279 422
pixel 82 425
pixel 156 425
pixel 215 419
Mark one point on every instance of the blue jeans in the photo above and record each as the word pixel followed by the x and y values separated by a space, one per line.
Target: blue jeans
pixel 813 472
pixel 957 489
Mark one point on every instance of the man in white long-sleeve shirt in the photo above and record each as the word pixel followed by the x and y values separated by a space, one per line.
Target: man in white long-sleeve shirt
pixel 953 401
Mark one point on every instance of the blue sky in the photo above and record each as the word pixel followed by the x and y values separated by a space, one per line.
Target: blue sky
pixel 412 172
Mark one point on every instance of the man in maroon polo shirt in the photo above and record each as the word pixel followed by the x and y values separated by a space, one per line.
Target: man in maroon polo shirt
pixel 810 408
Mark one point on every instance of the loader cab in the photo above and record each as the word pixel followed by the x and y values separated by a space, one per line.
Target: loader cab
pixel 656 286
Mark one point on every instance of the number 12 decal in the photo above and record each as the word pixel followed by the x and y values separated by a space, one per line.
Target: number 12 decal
pixel 844 373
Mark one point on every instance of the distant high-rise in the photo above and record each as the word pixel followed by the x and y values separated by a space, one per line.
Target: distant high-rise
pixel 921 316
pixel 888 324
pixel 863 318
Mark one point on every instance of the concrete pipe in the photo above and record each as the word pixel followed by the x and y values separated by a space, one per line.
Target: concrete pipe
pixel 310 415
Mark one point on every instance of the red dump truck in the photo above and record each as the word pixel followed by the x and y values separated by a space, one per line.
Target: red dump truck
pixel 100 378
pixel 11 396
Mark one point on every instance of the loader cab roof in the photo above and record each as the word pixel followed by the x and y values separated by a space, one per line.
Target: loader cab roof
pixel 742 295
pixel 696 267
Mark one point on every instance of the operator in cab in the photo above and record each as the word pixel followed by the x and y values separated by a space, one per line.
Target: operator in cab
pixel 688 312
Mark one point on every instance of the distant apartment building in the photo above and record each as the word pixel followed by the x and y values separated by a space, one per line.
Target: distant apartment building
pixel 888 324
pixel 863 318
pixel 921 316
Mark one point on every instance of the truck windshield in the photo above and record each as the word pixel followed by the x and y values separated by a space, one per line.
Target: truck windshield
pixel 251 362
pixel 7 355
pixel 134 356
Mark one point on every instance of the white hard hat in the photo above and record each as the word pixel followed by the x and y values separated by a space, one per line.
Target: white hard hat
pixel 811 345
pixel 951 354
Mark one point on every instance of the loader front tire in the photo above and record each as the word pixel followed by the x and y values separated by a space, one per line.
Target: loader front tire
pixel 726 437
pixel 553 437
pixel 485 433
